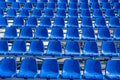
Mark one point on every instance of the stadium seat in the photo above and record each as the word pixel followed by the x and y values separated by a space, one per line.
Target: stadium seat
pixel 90 49
pixel 93 1
pixel 100 22
pixel 27 70
pixel 95 6
pixel 8 68
pixel 72 13
pixel 3 22
pixel 49 72
pixel 97 13
pixel 109 49
pixel 114 1
pixel 10 33
pixel 116 6
pixel 71 69
pixel 3 5
pixel 27 6
pixel 1 13
pixel 62 5
pixel 85 13
pixel 83 1
pixel 33 1
pixel 57 33
pixel 15 5
pixel 26 33
pixel 36 48
pixel 32 22
pixel 64 1
pixel 59 21
pixel 72 34
pixel 24 13
pixel 104 34
pixel 114 22
pixel 41 33
pixel 54 48
pixel 18 22
pixel 88 34
pixel 73 22
pixel 51 6
pixel 48 13
pixel 112 71
pixel 44 1
pixel 61 13
pixel 103 1
pixel 73 6
pixel 106 6
pixel 86 22
pixel 84 6
pixel 36 13
pixel 116 34
pixel 22 1
pixel 18 48
pixel 74 1
pixel 4 47
pixel 91 71
pixel 45 22
pixel 53 1
pixel 72 48
pixel 40 6
pixel 11 13
pixel 109 13
pixel 10 1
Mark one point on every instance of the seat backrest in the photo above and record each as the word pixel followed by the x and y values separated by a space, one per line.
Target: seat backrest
pixel 26 31
pixel 88 32
pixel 18 21
pixel 45 21
pixel 32 21
pixel 73 32
pixel 72 21
pixel 103 32
pixel 59 21
pixel 4 46
pixel 41 32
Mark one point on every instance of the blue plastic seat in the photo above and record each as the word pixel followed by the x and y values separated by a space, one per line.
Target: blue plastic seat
pixel 59 21
pixel 53 1
pixel 114 1
pixel 85 13
pixel 48 13
pixel 114 22
pixel 22 1
pixel 45 21
pixel 103 1
pixel 73 6
pixel 93 1
pixel 73 13
pixel 73 22
pixel 86 22
pixel 83 1
pixel 51 6
pixel 36 13
pixel 27 6
pixel 106 6
pixel 3 22
pixel 36 48
pixel 24 13
pixel 116 6
pixel 71 69
pixel 1 13
pixel 18 22
pixel 91 72
pixel 61 13
pixel 64 1
pixel 116 34
pixel 41 33
pixel 18 48
pixel 10 1
pixel 3 5
pixel 27 70
pixel 40 6
pixel 8 68
pixel 90 49
pixel 112 71
pixel 15 5
pixel 32 22
pixel 95 6
pixel 100 22
pixel 72 49
pixel 97 13
pixel 4 47
pixel 57 33
pixel 26 33
pixel 43 1
pixel 88 34
pixel 10 33
pixel 109 50
pixel 104 34
pixel 84 6
pixel 49 72
pixel 72 34
pixel 33 1
pixel 62 6
pixel 54 48
pixel 74 1
pixel 109 13
pixel 11 13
